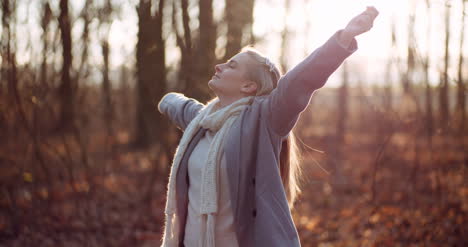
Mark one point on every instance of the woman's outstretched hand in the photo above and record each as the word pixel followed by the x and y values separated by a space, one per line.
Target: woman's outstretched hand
pixel 358 25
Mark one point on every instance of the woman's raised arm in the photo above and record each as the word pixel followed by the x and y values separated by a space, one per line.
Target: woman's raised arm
pixel 295 88
pixel 179 109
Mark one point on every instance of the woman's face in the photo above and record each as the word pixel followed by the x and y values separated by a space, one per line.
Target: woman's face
pixel 229 79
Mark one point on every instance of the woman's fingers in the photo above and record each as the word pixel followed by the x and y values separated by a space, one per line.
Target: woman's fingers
pixel 365 22
pixel 362 22
pixel 372 12
pixel 368 17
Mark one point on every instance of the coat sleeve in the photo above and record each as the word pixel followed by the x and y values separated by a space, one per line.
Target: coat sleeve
pixel 179 109
pixel 295 88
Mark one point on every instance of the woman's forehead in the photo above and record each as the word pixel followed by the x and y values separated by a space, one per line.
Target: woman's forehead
pixel 240 58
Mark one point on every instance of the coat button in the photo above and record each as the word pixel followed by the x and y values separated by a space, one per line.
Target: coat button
pixel 254 213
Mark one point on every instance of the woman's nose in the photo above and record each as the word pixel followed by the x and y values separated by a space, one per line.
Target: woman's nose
pixel 218 68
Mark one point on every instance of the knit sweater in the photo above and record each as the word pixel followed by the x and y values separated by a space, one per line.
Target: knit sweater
pixel 225 232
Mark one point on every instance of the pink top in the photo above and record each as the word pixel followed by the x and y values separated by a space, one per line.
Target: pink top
pixel 224 233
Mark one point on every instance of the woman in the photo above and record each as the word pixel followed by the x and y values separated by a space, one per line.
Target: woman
pixel 234 176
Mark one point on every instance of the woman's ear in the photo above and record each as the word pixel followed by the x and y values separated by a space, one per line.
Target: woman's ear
pixel 249 87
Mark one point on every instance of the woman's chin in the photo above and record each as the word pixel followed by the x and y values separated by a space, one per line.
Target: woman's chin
pixel 212 86
pixel 215 86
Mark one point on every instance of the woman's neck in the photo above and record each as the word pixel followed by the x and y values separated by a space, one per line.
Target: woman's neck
pixel 225 101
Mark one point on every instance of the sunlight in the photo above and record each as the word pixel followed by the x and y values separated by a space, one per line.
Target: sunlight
pixel 312 22
pixel 320 19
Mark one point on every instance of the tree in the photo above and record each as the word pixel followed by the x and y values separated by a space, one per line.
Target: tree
pixel 342 106
pixel 105 14
pixel 461 98
pixel 285 38
pixel 388 93
pixel 411 52
pixel 151 72
pixel 443 87
pixel 428 89
pixel 67 87
pixel 339 138
pixel 239 17
pixel 185 45
pixel 45 21
pixel 206 47
pixel 197 53
pixel 86 15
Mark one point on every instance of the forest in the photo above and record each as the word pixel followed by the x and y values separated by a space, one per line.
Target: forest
pixel 85 155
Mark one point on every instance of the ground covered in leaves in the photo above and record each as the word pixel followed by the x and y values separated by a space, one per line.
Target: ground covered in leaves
pixel 399 197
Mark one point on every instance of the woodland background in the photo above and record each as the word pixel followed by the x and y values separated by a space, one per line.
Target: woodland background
pixel 85 155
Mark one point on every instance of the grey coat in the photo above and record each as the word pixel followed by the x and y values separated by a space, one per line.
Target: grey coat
pixel 252 148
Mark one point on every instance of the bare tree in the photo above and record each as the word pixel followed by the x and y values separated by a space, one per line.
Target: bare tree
pixel 151 72
pixel 444 88
pixel 238 16
pixel 337 144
pixel 185 45
pixel 106 87
pixel 66 88
pixel 392 62
pixel 410 59
pixel 45 21
pixel 205 50
pixel 86 15
pixel 343 104
pixel 428 89
pixel 8 78
pixel 461 98
pixel 105 14
pixel 124 97
pixel 285 38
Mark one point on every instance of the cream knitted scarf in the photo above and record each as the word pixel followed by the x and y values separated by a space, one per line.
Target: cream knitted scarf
pixel 218 121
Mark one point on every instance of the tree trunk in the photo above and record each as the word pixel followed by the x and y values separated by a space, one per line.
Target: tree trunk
pixel 285 38
pixel 85 15
pixel 66 88
pixel 106 88
pixel 124 102
pixel 428 91
pixel 238 15
pixel 388 88
pixel 105 23
pixel 46 18
pixel 185 46
pixel 443 90
pixel 461 98
pixel 342 106
pixel 337 140
pixel 410 59
pixel 151 73
pixel 206 51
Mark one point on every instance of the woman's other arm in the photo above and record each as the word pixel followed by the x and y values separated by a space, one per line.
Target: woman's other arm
pixel 295 88
pixel 179 109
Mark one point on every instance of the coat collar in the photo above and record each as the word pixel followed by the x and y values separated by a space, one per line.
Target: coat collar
pixel 232 160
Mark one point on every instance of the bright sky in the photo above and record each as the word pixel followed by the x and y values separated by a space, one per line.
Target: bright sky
pixel 311 23
pixel 314 21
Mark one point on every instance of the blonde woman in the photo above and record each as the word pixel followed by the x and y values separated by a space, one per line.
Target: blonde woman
pixel 234 177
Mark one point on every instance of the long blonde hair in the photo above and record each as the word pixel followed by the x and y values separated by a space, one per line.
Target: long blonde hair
pixel 290 165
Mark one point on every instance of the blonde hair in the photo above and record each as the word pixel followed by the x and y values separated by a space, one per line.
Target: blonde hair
pixel 262 71
pixel 267 75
